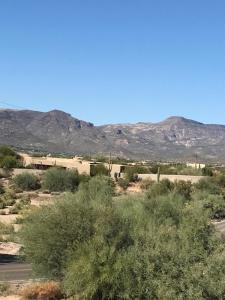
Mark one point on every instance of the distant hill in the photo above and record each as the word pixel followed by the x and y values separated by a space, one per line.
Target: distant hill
pixel 176 138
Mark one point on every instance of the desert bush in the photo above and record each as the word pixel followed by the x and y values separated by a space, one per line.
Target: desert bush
pixel 161 188
pixel 9 198
pixel 123 183
pixel 9 201
pixel 99 169
pixel 42 291
pixel 131 172
pixel 219 180
pixel 146 184
pixel 2 203
pixel 4 287
pixel 27 181
pixel 207 171
pixel 2 191
pixel 134 247
pixel 25 200
pixel 214 204
pixel 14 210
pixel 84 178
pixel 183 188
pixel 5 228
pixel 59 180
pixel 209 185
pixel 9 158
pixel 8 162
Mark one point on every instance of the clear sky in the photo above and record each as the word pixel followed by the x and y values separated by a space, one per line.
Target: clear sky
pixel 109 61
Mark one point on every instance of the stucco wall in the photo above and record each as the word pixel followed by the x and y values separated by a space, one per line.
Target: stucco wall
pixel 172 178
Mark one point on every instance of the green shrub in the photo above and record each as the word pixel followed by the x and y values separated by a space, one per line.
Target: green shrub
pixel 99 169
pixel 214 204
pixel 2 203
pixel 9 201
pixel 123 183
pixel 16 208
pixel 2 191
pixel 25 200
pixel 7 151
pixel 209 185
pixel 131 174
pixel 134 247
pixel 162 188
pixel 84 178
pixel 183 188
pixel 207 171
pixel 5 228
pixel 4 287
pixel 8 162
pixel 59 180
pixel 27 182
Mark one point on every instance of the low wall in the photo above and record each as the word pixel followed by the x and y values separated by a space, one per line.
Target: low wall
pixel 192 179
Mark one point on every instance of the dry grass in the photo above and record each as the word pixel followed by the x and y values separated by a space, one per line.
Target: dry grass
pixel 42 291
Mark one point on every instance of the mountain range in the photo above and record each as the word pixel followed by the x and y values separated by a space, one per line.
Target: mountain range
pixel 176 138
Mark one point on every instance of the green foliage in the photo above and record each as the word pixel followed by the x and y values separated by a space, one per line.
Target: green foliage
pixel 157 246
pixel 8 162
pixel 209 185
pixel 14 210
pixel 99 169
pixel 7 151
pixel 214 204
pixel 177 169
pixel 207 171
pixel 123 183
pixel 162 188
pixel 5 228
pixel 183 188
pixel 9 159
pixel 2 191
pixel 4 287
pixel 27 181
pixel 64 227
pixel 59 180
pixel 132 171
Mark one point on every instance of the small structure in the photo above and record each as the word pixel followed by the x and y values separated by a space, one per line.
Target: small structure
pixel 82 166
pixel 196 165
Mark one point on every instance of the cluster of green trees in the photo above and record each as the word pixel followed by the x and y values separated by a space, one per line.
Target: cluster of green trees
pixel 157 245
pixel 9 158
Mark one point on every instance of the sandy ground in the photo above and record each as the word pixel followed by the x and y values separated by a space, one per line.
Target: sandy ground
pixel 9 248
pixel 8 219
pixel 10 297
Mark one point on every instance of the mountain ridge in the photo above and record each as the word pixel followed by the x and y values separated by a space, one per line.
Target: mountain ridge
pixel 175 138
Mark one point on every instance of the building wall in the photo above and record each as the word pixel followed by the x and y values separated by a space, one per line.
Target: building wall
pixel 69 163
pixel 196 165
pixel 193 179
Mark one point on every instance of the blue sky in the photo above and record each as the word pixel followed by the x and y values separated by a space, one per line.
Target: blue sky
pixel 109 61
